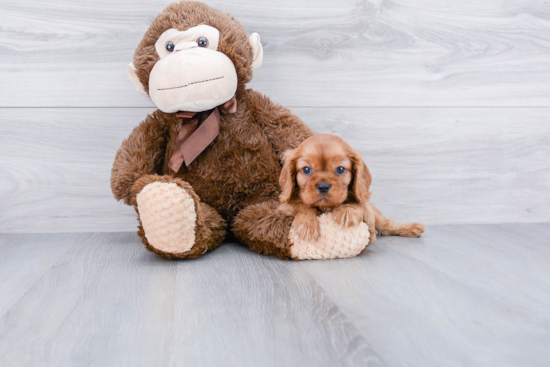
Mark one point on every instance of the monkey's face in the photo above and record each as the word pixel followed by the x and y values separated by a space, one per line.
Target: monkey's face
pixel 191 75
pixel 194 58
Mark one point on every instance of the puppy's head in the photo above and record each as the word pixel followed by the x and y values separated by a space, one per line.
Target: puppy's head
pixel 324 172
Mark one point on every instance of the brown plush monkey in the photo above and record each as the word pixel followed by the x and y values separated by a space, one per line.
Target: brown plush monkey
pixel 208 160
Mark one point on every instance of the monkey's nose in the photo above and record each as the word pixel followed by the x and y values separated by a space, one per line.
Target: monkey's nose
pixel 323 187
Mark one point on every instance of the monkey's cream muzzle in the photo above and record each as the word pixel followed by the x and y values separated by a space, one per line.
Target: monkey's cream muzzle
pixel 192 75
pixel 194 79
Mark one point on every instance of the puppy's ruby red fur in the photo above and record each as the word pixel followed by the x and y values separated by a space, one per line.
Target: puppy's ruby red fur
pixel 324 174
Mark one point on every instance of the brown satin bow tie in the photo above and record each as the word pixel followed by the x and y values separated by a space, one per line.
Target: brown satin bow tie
pixel 193 140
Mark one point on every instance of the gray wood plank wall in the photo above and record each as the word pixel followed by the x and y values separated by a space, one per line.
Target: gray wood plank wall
pixel 448 102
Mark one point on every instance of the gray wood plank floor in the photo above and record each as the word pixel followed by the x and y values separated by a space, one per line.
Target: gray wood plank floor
pixel 470 295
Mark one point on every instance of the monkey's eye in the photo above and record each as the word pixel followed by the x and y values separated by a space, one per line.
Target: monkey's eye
pixel 306 170
pixel 170 46
pixel 340 170
pixel 202 42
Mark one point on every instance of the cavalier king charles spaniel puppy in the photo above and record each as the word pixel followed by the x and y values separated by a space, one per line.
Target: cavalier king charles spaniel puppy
pixel 324 174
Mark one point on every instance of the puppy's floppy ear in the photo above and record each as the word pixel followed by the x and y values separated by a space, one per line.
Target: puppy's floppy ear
pixel 361 179
pixel 287 180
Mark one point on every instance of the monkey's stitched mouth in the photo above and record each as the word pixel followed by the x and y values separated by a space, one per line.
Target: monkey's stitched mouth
pixel 186 85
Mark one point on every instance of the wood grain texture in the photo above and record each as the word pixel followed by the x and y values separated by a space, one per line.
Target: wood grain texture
pixel 460 296
pixel 317 53
pixel 437 165
pixel 109 302
pixel 469 295
pixel 26 258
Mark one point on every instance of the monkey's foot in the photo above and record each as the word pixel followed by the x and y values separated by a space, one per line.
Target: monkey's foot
pixel 168 215
pixel 335 241
pixel 269 232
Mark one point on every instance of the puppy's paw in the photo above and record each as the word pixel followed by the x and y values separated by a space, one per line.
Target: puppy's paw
pixel 307 227
pixel 412 230
pixel 348 215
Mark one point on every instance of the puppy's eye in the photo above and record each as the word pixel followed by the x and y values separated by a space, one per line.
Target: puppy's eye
pixel 170 46
pixel 202 42
pixel 340 170
pixel 306 170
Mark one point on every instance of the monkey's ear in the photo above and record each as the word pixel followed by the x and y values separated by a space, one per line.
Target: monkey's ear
pixel 257 50
pixel 134 79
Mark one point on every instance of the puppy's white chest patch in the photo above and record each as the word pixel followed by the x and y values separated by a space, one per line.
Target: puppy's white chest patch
pixel 334 242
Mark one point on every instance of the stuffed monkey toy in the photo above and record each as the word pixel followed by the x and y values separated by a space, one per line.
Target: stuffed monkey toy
pixel 208 160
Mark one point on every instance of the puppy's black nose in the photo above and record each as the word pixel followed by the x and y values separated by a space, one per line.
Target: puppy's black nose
pixel 323 187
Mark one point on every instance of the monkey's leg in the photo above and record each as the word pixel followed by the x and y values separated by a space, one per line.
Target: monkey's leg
pixel 174 223
pixel 269 232
pixel 264 229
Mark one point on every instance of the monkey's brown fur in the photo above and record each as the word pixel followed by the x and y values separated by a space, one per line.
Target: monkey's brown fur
pixel 234 181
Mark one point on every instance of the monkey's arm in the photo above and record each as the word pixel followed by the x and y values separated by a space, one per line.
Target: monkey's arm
pixel 284 129
pixel 140 155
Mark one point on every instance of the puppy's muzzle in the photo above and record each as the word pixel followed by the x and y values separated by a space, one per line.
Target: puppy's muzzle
pixel 323 187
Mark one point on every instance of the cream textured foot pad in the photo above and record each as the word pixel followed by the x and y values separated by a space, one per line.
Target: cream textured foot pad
pixel 334 242
pixel 168 216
